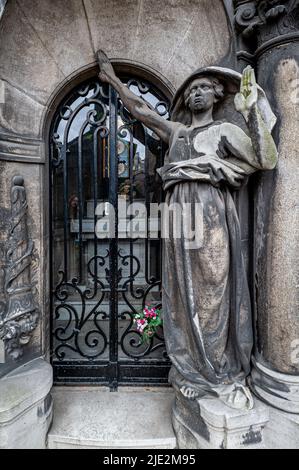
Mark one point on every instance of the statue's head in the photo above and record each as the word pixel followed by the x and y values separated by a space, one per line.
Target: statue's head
pixel 202 93
pixel 214 87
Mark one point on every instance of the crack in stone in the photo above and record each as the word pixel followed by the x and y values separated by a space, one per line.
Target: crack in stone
pixel 138 24
pixel 40 39
pixel 181 41
pixel 88 27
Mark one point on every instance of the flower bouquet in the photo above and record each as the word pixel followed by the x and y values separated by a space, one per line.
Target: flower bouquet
pixel 148 321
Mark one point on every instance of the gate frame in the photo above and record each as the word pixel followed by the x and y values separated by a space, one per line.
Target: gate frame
pixel 88 72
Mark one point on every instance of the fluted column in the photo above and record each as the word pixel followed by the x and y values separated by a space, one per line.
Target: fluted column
pixel 272 28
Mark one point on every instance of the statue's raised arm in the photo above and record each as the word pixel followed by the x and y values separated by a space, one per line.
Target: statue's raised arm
pixel 137 107
pixel 246 103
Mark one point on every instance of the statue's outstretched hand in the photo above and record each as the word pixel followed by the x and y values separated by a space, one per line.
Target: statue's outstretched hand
pixel 106 70
pixel 247 98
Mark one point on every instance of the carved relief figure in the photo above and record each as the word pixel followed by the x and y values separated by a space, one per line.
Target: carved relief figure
pixel 206 302
pixel 19 316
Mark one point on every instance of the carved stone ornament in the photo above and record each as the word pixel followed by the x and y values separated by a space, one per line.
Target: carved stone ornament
pixel 250 15
pixel 19 313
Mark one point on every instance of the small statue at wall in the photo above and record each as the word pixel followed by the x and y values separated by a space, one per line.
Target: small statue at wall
pixel 19 315
pixel 219 134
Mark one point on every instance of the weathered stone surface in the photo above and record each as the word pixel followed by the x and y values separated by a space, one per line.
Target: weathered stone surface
pixel 63 30
pixel 282 270
pixel 216 426
pixel 275 373
pixel 174 37
pixel 282 430
pixel 25 62
pixel 96 418
pixel 258 22
pixel 113 25
pixel 25 406
pixel 204 42
pixel 33 181
pixel 20 148
pixel 17 105
pixel 47 41
pixel 280 390
pixel 276 227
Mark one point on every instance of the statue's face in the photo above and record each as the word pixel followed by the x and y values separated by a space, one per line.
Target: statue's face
pixel 202 95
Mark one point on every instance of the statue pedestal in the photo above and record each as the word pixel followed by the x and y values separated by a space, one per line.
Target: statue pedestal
pixel 282 431
pixel 26 406
pixel 208 423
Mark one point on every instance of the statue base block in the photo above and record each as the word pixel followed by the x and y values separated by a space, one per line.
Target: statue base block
pixel 208 423
pixel 282 432
pixel 26 406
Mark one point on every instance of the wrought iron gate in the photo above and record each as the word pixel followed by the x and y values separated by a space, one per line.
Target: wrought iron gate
pixel 101 155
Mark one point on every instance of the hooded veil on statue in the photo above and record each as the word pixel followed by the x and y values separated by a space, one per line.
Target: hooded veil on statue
pixel 206 302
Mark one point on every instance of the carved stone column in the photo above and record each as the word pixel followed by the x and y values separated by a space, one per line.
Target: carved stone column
pixel 268 31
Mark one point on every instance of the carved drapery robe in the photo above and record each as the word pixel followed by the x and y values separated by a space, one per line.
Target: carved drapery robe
pixel 206 302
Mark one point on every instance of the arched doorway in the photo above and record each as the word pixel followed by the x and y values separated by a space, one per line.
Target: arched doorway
pixel 101 161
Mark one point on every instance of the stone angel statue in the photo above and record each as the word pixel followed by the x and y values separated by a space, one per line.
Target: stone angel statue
pixel 211 153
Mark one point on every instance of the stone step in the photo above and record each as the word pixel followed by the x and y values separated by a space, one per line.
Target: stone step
pixel 94 417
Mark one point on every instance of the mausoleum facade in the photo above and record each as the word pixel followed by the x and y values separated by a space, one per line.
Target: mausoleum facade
pixel 72 278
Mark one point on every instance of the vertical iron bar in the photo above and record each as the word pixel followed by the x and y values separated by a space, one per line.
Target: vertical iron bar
pixel 160 200
pixel 51 221
pixel 65 211
pixel 95 201
pixel 80 192
pixel 113 248
pixel 147 240
pixel 131 200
